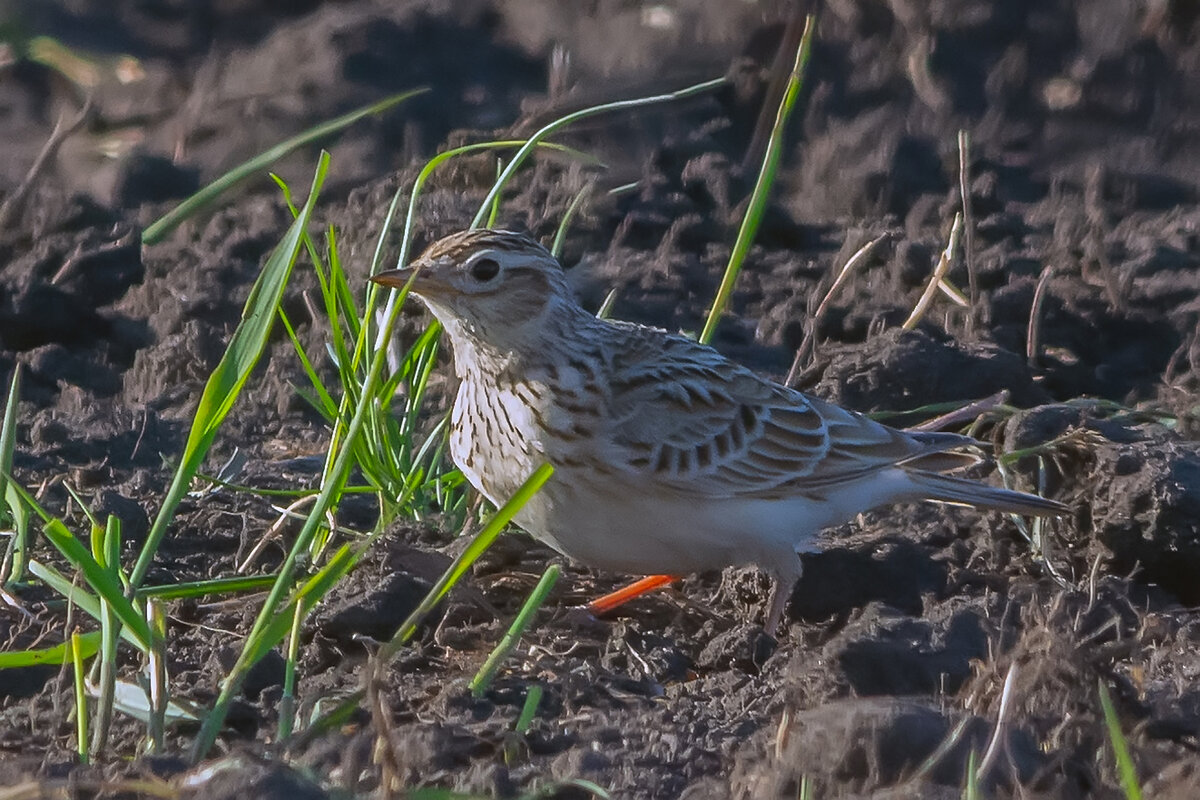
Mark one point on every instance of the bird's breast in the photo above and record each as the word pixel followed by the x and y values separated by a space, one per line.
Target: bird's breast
pixel 495 437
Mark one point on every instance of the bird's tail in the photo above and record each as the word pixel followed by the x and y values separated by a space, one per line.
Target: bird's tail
pixel 948 489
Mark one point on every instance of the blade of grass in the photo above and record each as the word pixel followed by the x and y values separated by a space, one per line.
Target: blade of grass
pixel 810 337
pixel 215 586
pixel 89 645
pixel 1125 768
pixel 81 700
pixel 84 600
pixel 478 545
pixel 167 223
pixel 487 673
pixel 323 721
pixel 100 579
pixel 533 699
pixel 272 624
pixel 534 140
pixel 8 429
pixel 226 382
pixel 971 785
pixel 495 210
pixel 762 186
pixel 18 547
pixel 156 666
pixel 560 235
pixel 287 703
pixel 106 548
pixel 964 188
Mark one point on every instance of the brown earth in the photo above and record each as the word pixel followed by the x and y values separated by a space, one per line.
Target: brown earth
pixel 1084 175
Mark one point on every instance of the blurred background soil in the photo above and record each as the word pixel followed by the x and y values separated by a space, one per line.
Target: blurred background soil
pixel 1084 184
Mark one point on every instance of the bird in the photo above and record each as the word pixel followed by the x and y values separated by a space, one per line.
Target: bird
pixel 669 458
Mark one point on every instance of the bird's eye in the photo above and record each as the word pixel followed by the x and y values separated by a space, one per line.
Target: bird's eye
pixel 485 269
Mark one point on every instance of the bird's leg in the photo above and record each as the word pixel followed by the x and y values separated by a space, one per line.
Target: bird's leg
pixel 602 605
pixel 781 593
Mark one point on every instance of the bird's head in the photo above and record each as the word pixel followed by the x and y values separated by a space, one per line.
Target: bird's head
pixel 497 288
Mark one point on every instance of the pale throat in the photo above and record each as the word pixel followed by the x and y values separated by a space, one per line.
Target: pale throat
pixel 516 349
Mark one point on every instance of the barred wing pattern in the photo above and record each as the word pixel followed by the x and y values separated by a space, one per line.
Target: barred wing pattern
pixel 688 419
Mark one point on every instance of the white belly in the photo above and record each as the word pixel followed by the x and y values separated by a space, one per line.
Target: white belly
pixel 631 527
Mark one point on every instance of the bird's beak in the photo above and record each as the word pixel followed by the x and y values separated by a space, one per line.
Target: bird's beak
pixel 427 280
pixel 393 278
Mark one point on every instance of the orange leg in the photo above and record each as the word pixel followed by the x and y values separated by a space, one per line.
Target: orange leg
pixel 602 605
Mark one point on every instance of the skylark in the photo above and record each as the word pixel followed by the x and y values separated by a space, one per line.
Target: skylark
pixel 669 457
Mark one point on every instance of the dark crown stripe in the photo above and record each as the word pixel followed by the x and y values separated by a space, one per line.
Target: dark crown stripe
pixel 460 245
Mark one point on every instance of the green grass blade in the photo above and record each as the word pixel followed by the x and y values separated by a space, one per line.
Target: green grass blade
pixel 971 781
pixel 156 668
pixel 215 586
pixel 246 346
pixel 534 140
pixel 164 225
pixel 306 597
pixel 287 703
pixel 487 673
pixel 495 210
pixel 1125 768
pixel 8 429
pixel 106 548
pixel 81 700
pixel 82 598
pixel 533 699
pixel 323 721
pixel 762 186
pixel 474 550
pixel 319 398
pixel 331 488
pixel 560 235
pixel 17 552
pixel 89 645
pixel 102 581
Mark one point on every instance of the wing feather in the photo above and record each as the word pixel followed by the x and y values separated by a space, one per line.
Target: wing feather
pixel 690 420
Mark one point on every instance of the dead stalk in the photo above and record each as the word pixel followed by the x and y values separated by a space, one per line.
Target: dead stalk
pixel 384 752
pixel 964 188
pixel 939 272
pixel 62 131
pixel 996 744
pixel 853 263
pixel 291 512
pixel 1093 204
pixel 1033 338
pixel 964 414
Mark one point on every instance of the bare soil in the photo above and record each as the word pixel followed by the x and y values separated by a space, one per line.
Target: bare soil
pixel 1084 177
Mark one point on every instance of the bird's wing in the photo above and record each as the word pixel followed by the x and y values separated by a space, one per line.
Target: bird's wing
pixel 687 418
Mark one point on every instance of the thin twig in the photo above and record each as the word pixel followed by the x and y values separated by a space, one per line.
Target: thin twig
pixel 856 260
pixel 964 188
pixel 62 130
pixel 1033 337
pixel 291 512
